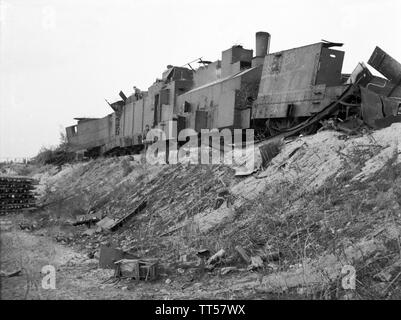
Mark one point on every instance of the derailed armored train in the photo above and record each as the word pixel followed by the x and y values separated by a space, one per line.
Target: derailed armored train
pixel 269 92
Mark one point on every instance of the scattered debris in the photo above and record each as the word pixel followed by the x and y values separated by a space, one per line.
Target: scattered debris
pixel 89 232
pixel 88 219
pixel 62 238
pixel 15 273
pixel 30 226
pixel 256 263
pixel 203 253
pixel 243 254
pixel 216 258
pixel 106 223
pixel 226 270
pixel 272 256
pixel 388 273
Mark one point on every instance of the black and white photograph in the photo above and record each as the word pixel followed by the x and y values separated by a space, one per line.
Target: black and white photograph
pixel 203 157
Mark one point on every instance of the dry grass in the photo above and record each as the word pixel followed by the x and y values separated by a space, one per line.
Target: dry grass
pixel 308 225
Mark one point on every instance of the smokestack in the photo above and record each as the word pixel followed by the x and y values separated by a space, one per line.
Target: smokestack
pixel 262 43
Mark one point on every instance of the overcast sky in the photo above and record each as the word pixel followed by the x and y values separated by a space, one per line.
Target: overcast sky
pixel 61 59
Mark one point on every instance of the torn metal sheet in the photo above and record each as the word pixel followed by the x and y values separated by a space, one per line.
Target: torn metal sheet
pixel 329 44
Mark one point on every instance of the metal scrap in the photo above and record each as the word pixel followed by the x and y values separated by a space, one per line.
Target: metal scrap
pixel 378 111
pixel 386 65
pixel 87 219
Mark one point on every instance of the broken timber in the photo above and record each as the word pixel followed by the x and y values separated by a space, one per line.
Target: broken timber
pixel 122 220
pixel 87 219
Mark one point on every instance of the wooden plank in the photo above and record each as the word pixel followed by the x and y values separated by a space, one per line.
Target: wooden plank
pixel 121 221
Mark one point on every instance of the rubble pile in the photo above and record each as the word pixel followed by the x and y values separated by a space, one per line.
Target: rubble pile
pixel 17 193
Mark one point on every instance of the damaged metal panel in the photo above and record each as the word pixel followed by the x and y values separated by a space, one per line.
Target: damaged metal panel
pixel 383 87
pixel 299 78
pixel 386 65
pixel 329 110
pixel 371 107
pixel 298 103
pixel 361 75
pixel 390 106
pixel 378 111
pixel 330 66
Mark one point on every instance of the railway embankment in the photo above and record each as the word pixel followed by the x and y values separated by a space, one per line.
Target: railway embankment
pixel 325 202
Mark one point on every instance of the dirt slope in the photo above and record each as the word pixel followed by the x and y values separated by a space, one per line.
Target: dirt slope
pixel 325 201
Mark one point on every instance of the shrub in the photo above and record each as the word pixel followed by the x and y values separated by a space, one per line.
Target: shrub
pixel 55 155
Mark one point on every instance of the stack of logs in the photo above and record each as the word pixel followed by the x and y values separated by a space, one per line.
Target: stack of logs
pixel 16 194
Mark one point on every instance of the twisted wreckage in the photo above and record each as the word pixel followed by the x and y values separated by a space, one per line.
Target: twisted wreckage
pixel 282 93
